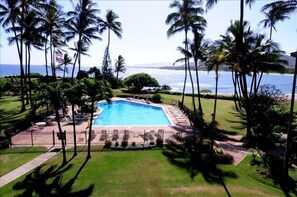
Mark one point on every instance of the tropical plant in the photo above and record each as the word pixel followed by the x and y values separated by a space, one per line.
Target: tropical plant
pixel 198 49
pixel 54 94
pixel 272 16
pixel 140 80
pixel 187 17
pixel 67 60
pixel 119 66
pixel 216 56
pixel 96 90
pixel 110 24
pixel 74 95
pixel 283 9
pixel 257 56
pixel 12 16
pixel 52 20
pixel 82 22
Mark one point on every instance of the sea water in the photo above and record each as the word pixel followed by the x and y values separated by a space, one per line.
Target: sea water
pixel 175 78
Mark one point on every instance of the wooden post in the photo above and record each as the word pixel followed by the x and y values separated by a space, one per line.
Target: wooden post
pixel 53 132
pixel 32 137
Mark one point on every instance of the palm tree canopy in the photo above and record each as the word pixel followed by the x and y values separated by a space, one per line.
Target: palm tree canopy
pixel 9 12
pixel 257 54
pixel 111 23
pixel 120 64
pixel 83 21
pixel 188 16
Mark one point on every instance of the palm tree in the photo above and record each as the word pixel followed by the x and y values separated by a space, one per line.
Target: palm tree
pixel 10 14
pixel 187 17
pixel 54 93
pixel 96 90
pixel 283 9
pixel 119 66
pixel 52 20
pixel 67 60
pixel 83 23
pixel 74 95
pixel 216 57
pixel 110 24
pixel 272 16
pixel 259 57
pixel 198 49
pixel 83 50
pixel 188 55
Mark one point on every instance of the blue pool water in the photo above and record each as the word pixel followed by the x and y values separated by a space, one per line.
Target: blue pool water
pixel 129 113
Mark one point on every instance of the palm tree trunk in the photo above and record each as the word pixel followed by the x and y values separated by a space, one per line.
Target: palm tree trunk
pixel 198 88
pixel 20 51
pixel 90 132
pixel 29 77
pixel 192 84
pixel 213 125
pixel 288 142
pixel 73 69
pixel 62 137
pixel 45 56
pixel 270 33
pixel 79 45
pixel 26 74
pixel 74 131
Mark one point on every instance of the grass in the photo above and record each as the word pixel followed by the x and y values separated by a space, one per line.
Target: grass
pixel 226 116
pixel 142 173
pixel 12 158
pixel 10 111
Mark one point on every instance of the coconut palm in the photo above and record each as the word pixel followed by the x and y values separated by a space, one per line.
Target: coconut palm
pixel 216 57
pixel 11 16
pixel 54 94
pixel 119 66
pixel 284 9
pixel 187 17
pixel 198 49
pixel 83 23
pixel 52 20
pixel 74 95
pixel 260 56
pixel 109 24
pixel 83 50
pixel 272 16
pixel 67 60
pixel 96 90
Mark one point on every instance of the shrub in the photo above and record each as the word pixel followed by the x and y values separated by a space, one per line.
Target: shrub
pixel 159 143
pixel 152 143
pixel 124 143
pixel 133 144
pixel 4 143
pixel 140 80
pixel 116 144
pixel 107 144
pixel 157 98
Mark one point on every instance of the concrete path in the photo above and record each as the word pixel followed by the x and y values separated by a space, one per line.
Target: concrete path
pixel 11 176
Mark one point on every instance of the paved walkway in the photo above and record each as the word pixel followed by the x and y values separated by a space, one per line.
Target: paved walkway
pixel 233 147
pixel 11 176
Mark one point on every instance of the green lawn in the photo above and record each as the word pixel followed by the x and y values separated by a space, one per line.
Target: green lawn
pixel 140 173
pixel 10 111
pixel 12 158
pixel 226 118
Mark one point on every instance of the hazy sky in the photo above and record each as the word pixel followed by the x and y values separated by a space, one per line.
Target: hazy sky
pixel 144 32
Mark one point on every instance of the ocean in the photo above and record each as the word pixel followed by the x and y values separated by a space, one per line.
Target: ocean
pixel 175 78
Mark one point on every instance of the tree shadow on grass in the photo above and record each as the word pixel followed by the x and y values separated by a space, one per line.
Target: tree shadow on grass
pixel 48 182
pixel 193 154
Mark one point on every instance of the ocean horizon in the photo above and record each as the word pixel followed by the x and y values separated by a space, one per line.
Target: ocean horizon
pixel 173 78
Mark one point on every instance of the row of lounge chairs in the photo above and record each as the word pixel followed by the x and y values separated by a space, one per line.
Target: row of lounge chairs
pixel 147 135
pixel 178 114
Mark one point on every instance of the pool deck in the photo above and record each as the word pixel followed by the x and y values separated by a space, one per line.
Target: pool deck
pixel 42 135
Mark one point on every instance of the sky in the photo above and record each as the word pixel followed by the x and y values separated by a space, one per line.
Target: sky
pixel 144 39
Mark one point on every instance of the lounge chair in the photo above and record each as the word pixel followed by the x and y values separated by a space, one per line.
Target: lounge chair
pixel 126 135
pixel 115 135
pixel 103 135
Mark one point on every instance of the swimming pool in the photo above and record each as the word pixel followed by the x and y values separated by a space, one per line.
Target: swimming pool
pixel 129 113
